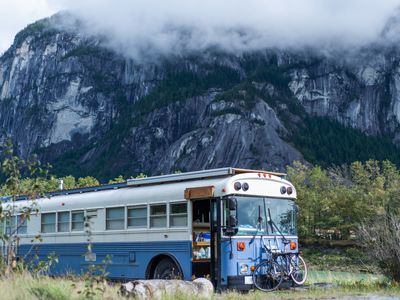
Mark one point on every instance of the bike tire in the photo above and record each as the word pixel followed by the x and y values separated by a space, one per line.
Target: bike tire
pixel 267 276
pixel 299 270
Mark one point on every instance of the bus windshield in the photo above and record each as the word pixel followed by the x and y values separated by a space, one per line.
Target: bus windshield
pixel 253 212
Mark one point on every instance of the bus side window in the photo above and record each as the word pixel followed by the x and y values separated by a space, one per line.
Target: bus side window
pixel 63 221
pixel 22 223
pixel 137 217
pixel 178 214
pixel 77 219
pixel 48 222
pixel 115 218
pixel 158 215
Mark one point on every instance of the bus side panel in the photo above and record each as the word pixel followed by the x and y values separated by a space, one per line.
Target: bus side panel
pixel 128 260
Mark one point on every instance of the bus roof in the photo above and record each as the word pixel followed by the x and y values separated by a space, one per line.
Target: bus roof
pixel 196 175
pixel 178 177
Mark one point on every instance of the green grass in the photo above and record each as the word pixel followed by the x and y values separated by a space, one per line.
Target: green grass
pixel 341 284
pixel 344 278
pixel 344 259
pixel 24 287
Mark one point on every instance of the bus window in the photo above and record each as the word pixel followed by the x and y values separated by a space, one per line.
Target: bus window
pixel 178 215
pixel 21 223
pixel 77 220
pixel 158 215
pixel 115 218
pixel 137 217
pixel 48 223
pixel 63 221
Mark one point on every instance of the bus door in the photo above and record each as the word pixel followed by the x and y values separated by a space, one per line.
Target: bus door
pixel 201 238
pixel 204 232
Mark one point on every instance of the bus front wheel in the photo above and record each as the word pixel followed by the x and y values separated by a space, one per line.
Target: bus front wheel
pixel 166 269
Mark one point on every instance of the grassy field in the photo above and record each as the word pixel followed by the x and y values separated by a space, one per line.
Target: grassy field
pixel 345 259
pixel 24 286
pixel 334 273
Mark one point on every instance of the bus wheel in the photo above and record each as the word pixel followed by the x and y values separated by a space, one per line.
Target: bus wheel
pixel 166 269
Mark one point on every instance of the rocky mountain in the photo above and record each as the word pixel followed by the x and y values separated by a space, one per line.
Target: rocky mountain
pixel 91 111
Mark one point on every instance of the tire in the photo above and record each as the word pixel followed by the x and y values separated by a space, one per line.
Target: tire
pixel 267 276
pixel 166 269
pixel 299 270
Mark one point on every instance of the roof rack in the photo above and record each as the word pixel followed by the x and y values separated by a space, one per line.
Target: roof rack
pixel 212 173
pixel 81 190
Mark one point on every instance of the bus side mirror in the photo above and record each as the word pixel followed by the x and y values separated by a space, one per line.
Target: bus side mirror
pixel 232 203
pixel 231 229
pixel 232 221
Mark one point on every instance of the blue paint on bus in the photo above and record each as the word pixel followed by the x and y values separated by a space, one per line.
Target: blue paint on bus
pixel 251 255
pixel 128 259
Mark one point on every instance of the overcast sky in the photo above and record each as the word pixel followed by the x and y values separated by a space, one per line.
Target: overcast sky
pixel 171 26
pixel 16 14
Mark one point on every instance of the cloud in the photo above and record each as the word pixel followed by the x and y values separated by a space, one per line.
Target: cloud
pixel 16 14
pixel 139 28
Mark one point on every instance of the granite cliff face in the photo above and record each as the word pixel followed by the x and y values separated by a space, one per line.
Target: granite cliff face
pixel 88 110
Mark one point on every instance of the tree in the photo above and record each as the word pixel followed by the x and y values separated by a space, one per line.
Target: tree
pixel 11 214
pixel 340 198
pixel 87 181
pixel 118 179
pixel 381 238
pixel 69 182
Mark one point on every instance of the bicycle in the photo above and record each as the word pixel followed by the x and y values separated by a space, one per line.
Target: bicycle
pixel 269 274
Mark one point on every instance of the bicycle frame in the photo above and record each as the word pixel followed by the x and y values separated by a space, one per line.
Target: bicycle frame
pixel 289 263
pixel 276 253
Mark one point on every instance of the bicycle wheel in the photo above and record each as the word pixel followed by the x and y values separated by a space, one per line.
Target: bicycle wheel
pixel 267 276
pixel 298 271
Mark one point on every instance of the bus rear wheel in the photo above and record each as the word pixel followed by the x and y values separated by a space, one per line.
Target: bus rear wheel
pixel 166 269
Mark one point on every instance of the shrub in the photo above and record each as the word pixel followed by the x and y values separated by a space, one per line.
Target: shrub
pixel 381 239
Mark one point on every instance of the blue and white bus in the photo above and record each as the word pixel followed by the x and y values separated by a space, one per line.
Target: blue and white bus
pixel 205 223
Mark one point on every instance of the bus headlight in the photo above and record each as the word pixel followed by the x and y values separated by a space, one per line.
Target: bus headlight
pixel 289 190
pixel 244 268
pixel 283 190
pixel 245 186
pixel 237 186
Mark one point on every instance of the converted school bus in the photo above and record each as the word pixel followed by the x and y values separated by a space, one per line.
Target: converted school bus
pixel 184 225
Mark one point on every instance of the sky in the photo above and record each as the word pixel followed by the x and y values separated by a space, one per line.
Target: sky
pixel 138 27
pixel 16 14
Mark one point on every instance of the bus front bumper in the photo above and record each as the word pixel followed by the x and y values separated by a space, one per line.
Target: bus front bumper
pixel 240 283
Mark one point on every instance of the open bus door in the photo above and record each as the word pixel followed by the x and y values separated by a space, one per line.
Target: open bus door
pixel 205 251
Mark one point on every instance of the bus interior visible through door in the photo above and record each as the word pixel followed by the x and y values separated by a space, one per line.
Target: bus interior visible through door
pixel 203 239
